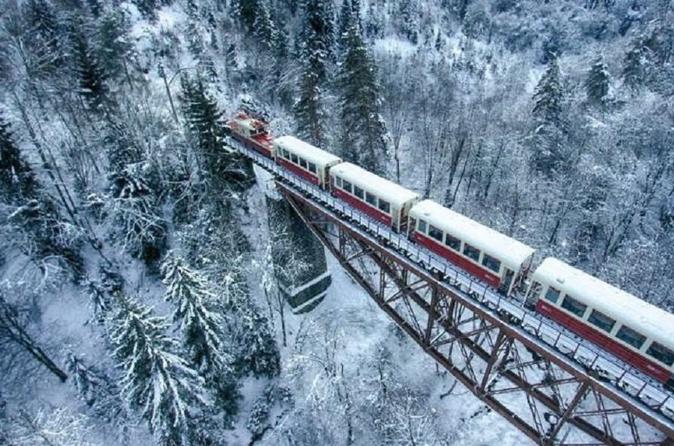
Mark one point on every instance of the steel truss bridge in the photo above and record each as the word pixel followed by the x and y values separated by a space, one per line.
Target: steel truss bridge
pixel 555 387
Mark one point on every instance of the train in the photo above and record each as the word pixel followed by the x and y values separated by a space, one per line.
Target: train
pixel 633 330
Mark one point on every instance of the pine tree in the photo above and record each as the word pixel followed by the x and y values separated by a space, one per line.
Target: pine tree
pixel 363 138
pixel 112 42
pixel 17 180
pixel 156 380
pixel 634 70
pixel 247 12
pixel 196 314
pixel 597 83
pixel 408 21
pixel 549 134
pixel 201 324
pixel 344 23
pixel 228 171
pixel 548 96
pixel 259 353
pixel 316 52
pixel 264 29
pixel 89 72
pixel 43 27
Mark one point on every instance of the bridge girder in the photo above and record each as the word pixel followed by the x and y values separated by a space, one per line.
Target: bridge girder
pixel 551 401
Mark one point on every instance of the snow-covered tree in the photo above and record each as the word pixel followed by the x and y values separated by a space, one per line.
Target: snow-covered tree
pixel 597 83
pixel 134 205
pixel 196 313
pixel 17 180
pixel 227 171
pixel 264 28
pixel 363 131
pixel 549 133
pixel 88 70
pixel 156 380
pixel 316 55
pixel 48 427
pixel 259 353
pixel 635 65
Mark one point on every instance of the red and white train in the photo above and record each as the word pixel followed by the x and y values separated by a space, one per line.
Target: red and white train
pixel 635 331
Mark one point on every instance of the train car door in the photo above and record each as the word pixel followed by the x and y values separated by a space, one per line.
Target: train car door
pixel 506 281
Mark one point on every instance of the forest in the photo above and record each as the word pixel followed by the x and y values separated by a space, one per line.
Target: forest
pixel 137 301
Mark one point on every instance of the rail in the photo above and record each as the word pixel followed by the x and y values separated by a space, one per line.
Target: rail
pixel 624 378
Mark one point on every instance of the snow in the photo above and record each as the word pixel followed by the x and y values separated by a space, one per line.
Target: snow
pixel 387 190
pixel 653 322
pixel 307 151
pixel 510 251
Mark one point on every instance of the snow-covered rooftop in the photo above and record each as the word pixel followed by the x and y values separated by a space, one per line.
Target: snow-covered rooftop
pixel 636 313
pixel 376 185
pixel 510 251
pixel 307 151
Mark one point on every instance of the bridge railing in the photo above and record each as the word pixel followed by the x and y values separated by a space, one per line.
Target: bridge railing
pixel 607 367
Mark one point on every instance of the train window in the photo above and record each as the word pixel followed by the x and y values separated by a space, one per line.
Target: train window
pixel 312 168
pixel 371 199
pixel 491 263
pixel 632 337
pixel 600 320
pixel 552 295
pixel 358 192
pixel 661 353
pixel 471 252
pixel 453 242
pixel 435 232
pixel 286 154
pixel 346 186
pixel 338 182
pixel 384 206
pixel 574 306
pixel 303 163
pixel 294 158
pixel 421 226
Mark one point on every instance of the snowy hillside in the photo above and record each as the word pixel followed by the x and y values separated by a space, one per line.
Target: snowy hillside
pixel 138 303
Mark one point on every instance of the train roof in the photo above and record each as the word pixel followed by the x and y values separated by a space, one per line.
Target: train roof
pixel 248 122
pixel 381 187
pixel 307 151
pixel 511 252
pixel 626 308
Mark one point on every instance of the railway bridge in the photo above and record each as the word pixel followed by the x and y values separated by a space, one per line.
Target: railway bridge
pixel 556 388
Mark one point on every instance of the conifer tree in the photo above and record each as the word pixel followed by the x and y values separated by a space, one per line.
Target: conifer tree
pixel 44 30
pixel 548 96
pixel 549 133
pixel 344 23
pixel 196 313
pixel 36 214
pixel 316 52
pixel 247 12
pixel 363 133
pixel 597 83
pixel 201 323
pixel 228 171
pixel 634 70
pixel 155 379
pixel 260 353
pixel 89 72
pixel 112 42
pixel 17 180
pixel 264 29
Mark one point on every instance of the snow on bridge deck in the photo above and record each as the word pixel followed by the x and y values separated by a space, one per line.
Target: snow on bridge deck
pixel 549 336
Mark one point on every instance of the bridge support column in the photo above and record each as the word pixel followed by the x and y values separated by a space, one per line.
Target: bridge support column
pixel 299 257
